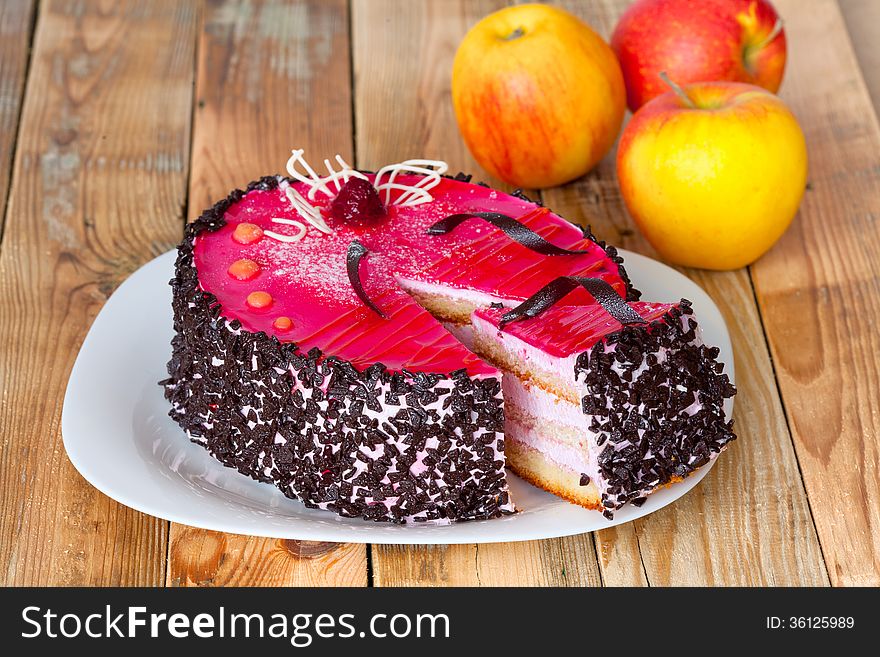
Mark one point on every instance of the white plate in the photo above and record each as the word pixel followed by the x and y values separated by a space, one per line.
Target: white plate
pixel 118 435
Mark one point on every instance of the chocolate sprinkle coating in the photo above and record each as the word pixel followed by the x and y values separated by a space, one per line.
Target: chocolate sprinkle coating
pixel 632 294
pixel 307 423
pixel 520 194
pixel 650 437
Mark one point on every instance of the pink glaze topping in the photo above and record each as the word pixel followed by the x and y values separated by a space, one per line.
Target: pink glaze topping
pixel 561 331
pixel 307 281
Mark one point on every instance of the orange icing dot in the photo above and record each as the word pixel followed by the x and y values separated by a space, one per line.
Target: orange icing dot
pixel 282 323
pixel 259 299
pixel 244 269
pixel 246 233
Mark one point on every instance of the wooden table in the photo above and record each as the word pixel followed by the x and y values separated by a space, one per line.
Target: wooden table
pixel 120 121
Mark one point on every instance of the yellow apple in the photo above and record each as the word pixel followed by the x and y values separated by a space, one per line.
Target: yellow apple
pixel 713 173
pixel 538 95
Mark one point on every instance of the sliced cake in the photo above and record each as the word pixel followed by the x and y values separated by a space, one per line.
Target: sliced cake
pixel 311 350
pixel 605 402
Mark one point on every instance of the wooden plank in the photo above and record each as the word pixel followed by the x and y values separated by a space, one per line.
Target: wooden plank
pixel 402 56
pixel 415 67
pixel 819 294
pixel 271 76
pixel 748 523
pixel 555 562
pixel 863 24
pixel 16 20
pixel 98 184
pixel 205 558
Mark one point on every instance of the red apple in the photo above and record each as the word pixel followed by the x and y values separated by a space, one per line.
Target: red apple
pixel 698 41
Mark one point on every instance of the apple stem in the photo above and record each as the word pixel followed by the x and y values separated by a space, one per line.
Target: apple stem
pixel 777 28
pixel 516 34
pixel 678 90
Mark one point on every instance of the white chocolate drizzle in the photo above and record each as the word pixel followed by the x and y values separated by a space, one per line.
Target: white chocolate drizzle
pixel 315 182
pixel 301 230
pixel 306 210
pixel 385 181
pixel 431 170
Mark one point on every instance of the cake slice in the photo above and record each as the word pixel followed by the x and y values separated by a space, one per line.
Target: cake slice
pixel 605 403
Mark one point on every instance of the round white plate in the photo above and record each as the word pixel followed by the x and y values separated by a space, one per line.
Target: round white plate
pixel 118 435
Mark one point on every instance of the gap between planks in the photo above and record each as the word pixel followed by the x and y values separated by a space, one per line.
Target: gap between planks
pixel 403 56
pixel 863 25
pixel 72 236
pixel 813 570
pixel 18 20
pixel 258 65
pixel 614 542
pixel 724 532
pixel 819 293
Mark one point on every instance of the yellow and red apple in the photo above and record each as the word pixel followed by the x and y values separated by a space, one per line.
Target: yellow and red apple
pixel 538 95
pixel 698 41
pixel 713 174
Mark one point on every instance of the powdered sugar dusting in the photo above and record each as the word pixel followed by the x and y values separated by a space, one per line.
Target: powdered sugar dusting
pixel 308 282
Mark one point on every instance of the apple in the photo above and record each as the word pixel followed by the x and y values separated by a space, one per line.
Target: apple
pixel 538 95
pixel 713 173
pixel 735 40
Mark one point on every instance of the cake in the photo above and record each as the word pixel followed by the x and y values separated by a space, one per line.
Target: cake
pixel 321 331
pixel 605 403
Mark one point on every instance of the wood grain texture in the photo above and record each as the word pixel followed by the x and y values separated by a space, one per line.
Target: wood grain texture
pixel 403 54
pixel 863 24
pixel 16 19
pixel 206 558
pixel 97 190
pixel 272 76
pixel 748 523
pixel 819 294
pixel 99 185
pixel 554 562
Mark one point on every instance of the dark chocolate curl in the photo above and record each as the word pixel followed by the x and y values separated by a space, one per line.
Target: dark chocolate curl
pixel 356 251
pixel 553 292
pixel 515 230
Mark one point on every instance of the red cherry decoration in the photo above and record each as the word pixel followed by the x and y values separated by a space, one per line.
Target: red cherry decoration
pixel 357 203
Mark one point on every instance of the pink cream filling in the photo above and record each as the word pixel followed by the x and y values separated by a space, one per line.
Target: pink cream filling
pixel 532 399
pixel 563 455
